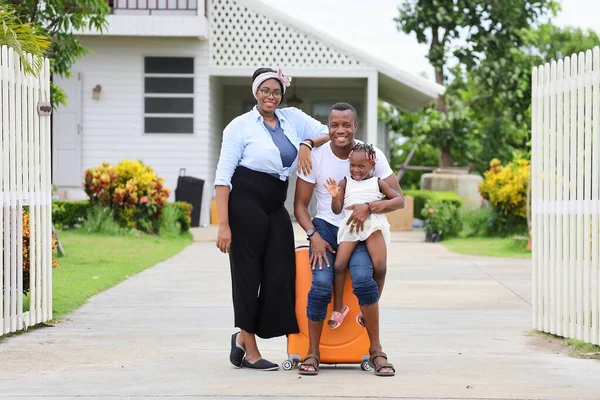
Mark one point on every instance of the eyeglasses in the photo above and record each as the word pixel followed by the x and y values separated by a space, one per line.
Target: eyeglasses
pixel 267 93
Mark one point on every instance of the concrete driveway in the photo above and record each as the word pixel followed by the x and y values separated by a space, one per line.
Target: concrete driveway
pixel 456 327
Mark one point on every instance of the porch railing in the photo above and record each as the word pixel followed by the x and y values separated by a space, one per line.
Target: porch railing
pixel 150 7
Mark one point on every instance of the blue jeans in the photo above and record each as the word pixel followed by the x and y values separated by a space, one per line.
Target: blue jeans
pixel 361 273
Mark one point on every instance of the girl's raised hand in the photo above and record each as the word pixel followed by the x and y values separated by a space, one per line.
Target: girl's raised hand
pixel 332 187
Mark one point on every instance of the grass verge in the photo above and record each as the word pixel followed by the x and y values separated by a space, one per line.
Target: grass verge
pixel 486 246
pixel 572 347
pixel 96 262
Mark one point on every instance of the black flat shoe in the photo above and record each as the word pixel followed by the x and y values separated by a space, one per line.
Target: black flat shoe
pixel 261 365
pixel 236 355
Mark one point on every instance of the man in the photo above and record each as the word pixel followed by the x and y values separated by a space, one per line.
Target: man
pixel 331 160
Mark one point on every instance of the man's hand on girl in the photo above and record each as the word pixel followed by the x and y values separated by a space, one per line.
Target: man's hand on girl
pixel 360 213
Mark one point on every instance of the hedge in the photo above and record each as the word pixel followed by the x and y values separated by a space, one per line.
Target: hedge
pixel 422 196
pixel 67 214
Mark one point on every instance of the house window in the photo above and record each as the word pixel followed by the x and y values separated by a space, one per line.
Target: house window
pixel 168 95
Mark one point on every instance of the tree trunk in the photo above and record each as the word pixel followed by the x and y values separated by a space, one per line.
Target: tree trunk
pixel 441 100
pixel 444 156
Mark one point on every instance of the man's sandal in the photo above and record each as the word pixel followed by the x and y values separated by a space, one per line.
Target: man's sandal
pixel 306 364
pixel 337 318
pixel 381 365
pixel 360 319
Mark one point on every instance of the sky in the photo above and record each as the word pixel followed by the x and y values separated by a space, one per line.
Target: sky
pixel 369 26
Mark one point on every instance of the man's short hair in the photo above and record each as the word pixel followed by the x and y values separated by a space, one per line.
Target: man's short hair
pixel 344 107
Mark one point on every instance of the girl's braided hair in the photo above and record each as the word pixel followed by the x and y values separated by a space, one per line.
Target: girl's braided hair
pixel 367 148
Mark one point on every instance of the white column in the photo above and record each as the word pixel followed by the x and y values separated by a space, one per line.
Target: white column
pixel 370 127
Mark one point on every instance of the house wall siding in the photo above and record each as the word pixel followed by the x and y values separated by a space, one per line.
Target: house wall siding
pixel 216 125
pixel 113 125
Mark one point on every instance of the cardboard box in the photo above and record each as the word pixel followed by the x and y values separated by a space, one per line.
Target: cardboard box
pixel 402 220
pixel 214 216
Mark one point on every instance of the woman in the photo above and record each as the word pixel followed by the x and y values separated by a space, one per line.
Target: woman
pixel 260 150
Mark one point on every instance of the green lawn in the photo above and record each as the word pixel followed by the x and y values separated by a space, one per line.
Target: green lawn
pixel 96 262
pixel 491 247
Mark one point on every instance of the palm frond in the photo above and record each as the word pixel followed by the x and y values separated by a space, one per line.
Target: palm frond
pixel 23 38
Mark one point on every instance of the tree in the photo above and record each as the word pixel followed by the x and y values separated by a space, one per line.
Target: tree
pixel 503 86
pixel 23 39
pixel 471 31
pixel 550 42
pixel 498 94
pixel 458 129
pixel 59 19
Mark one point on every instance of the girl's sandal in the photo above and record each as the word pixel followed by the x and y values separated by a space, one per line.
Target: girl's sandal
pixel 381 365
pixel 313 365
pixel 338 318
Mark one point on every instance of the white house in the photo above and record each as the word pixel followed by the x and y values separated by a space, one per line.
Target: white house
pixel 167 76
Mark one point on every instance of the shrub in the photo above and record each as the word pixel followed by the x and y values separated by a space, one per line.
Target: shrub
pixel 421 197
pixel 480 222
pixel 132 190
pixel 442 218
pixel 26 253
pixel 175 219
pixel 68 214
pixel 101 219
pixel 505 187
pixel 184 215
pixel 169 224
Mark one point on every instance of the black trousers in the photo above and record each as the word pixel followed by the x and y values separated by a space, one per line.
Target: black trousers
pixel 262 255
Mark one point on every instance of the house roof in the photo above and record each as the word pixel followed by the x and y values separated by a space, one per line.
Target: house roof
pixel 396 86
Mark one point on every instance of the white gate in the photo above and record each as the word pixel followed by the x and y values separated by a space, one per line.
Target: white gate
pixel 25 184
pixel 565 196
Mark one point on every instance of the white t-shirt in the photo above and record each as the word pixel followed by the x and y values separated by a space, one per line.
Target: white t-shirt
pixel 325 165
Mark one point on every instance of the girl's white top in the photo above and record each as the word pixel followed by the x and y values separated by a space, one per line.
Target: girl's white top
pixel 361 192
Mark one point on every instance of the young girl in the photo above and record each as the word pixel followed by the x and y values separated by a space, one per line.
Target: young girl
pixel 361 187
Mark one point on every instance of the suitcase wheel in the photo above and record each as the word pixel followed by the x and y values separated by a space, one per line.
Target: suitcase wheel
pixel 365 366
pixel 287 365
pixel 291 362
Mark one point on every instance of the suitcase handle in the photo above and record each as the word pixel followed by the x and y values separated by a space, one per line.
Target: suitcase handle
pixel 181 169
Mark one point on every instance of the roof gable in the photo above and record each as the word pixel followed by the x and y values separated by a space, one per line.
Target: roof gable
pixel 249 33
pixel 242 36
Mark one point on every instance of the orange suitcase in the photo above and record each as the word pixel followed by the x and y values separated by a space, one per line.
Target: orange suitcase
pixel 348 344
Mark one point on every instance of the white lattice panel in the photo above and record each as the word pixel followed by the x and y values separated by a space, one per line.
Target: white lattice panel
pixel 240 37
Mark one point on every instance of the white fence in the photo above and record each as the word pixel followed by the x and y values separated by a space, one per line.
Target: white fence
pixel 25 182
pixel 565 196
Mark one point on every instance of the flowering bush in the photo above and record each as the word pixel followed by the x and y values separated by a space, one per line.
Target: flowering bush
pixel 100 184
pixel 441 218
pixel 26 259
pixel 135 193
pixel 505 187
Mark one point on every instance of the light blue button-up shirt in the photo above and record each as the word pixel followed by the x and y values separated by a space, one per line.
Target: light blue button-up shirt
pixel 247 142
